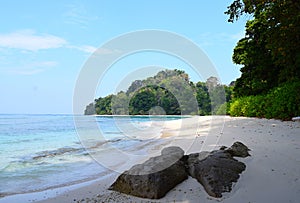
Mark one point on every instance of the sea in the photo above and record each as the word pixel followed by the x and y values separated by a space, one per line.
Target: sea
pixel 40 152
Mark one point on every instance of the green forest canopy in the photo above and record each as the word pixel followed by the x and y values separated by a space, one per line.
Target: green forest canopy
pixel 270 56
pixel 169 92
pixel 269 52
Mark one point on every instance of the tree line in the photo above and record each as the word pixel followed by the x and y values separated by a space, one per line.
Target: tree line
pixel 270 58
pixel 169 92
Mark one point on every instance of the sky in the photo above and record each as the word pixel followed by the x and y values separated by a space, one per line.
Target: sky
pixel 45 44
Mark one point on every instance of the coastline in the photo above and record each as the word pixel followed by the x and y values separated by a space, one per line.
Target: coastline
pixel 272 173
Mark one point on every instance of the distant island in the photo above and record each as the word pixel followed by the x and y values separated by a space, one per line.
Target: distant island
pixel 169 92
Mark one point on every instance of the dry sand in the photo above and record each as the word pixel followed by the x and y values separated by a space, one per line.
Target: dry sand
pixel 272 173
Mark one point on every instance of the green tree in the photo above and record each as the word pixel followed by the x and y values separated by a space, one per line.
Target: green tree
pixel 142 101
pixel 103 105
pixel 120 104
pixel 203 99
pixel 270 51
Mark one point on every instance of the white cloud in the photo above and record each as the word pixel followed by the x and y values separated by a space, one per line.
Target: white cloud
pixel 78 15
pixel 29 40
pixel 33 68
pixel 91 49
pixel 88 49
pixel 84 48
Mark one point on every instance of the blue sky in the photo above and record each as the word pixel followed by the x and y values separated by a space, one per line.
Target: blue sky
pixel 44 44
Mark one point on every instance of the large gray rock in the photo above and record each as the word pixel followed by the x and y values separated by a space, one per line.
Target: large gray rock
pixel 215 170
pixel 155 177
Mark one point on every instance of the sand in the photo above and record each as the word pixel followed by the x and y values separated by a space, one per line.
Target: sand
pixel 272 172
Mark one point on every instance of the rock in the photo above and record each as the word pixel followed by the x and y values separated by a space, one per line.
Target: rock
pixel 176 152
pixel 238 149
pixel 223 148
pixel 216 170
pixel 155 177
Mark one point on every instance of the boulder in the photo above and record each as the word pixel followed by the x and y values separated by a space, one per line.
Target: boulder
pixel 155 177
pixel 215 170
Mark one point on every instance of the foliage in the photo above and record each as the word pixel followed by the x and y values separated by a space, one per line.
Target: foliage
pixel 251 106
pixel 270 51
pixel 147 98
pixel 103 105
pixel 281 102
pixel 223 109
pixel 168 92
pixel 120 104
pixel 143 101
pixel 203 99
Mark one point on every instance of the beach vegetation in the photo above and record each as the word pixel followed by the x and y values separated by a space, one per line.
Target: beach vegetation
pixel 281 102
pixel 270 58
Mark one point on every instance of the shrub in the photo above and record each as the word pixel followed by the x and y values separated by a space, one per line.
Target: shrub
pixel 282 102
pixel 222 109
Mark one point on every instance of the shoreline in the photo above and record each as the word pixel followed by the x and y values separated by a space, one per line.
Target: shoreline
pixel 63 187
pixel 119 115
pixel 272 171
pixel 41 195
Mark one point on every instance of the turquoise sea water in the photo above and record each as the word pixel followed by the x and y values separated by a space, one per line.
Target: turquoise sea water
pixel 39 152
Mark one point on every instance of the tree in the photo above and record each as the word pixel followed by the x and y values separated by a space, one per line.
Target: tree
pixel 120 104
pixel 203 99
pixel 270 51
pixel 142 101
pixel 103 105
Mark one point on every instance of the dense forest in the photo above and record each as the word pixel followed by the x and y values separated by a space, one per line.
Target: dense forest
pixel 270 58
pixel 169 92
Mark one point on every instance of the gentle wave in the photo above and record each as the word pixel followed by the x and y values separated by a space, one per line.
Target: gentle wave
pixel 39 156
pixel 45 151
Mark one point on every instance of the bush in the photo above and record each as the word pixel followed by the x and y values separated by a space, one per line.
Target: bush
pixel 251 106
pixel 282 102
pixel 223 109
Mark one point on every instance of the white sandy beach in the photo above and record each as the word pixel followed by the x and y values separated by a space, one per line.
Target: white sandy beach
pixel 272 172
